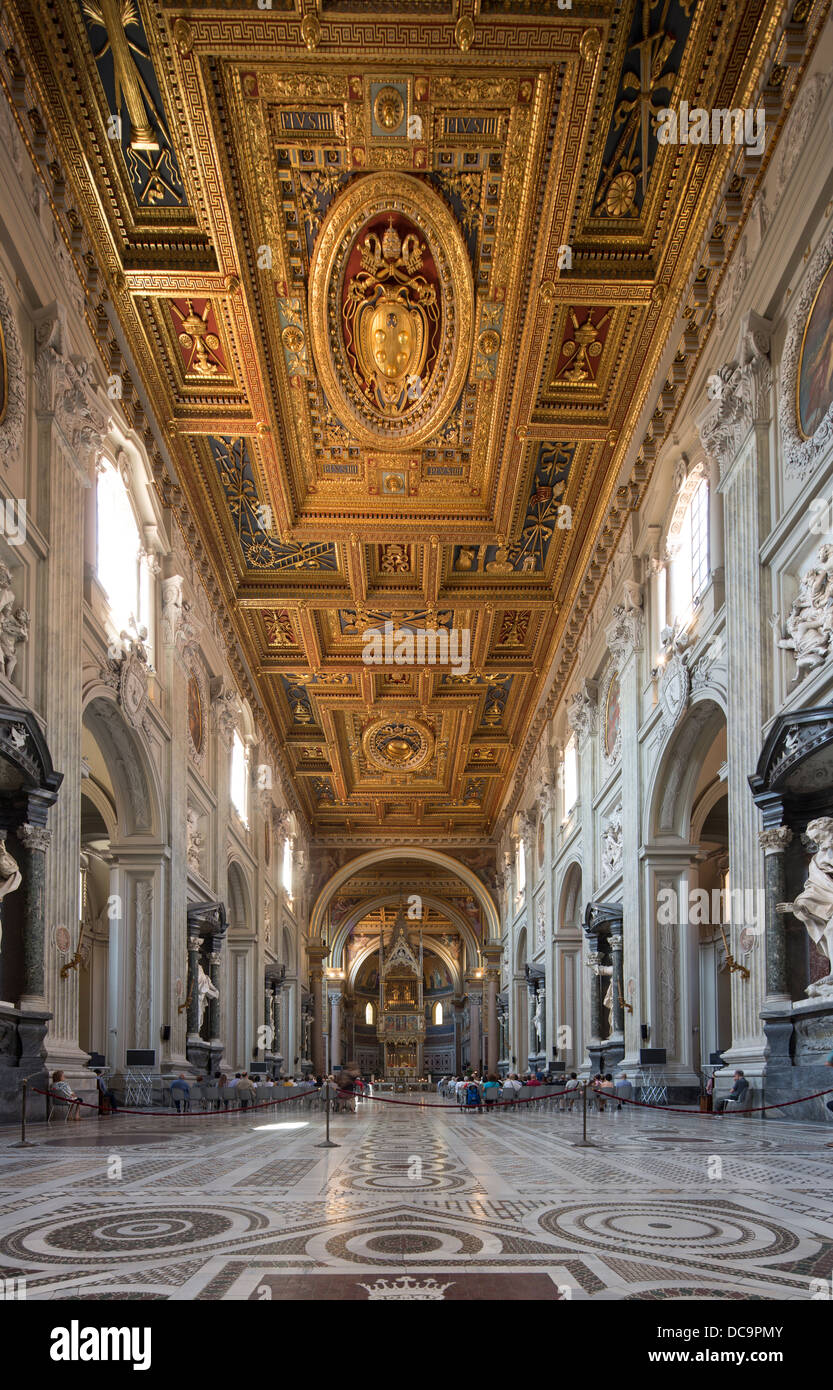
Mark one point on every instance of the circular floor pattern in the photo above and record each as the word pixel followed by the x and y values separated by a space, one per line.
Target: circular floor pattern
pixel 380 1176
pixel 681 1227
pixel 128 1235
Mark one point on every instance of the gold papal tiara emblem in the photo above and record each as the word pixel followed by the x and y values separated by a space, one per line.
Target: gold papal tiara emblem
pixel 391 317
pixel 391 306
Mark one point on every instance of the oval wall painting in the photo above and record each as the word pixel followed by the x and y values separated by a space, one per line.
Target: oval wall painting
pixel 195 724
pixel 814 386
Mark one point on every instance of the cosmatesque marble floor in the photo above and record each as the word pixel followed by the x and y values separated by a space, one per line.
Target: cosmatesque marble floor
pixel 418 1203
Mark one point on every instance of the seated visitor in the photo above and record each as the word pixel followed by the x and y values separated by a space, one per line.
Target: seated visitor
pixel 622 1088
pixel 104 1094
pixel 181 1093
pixel 64 1094
pixel 737 1095
pixel 491 1090
pixel 245 1090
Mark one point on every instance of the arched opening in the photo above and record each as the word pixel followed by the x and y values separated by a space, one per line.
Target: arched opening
pixel 239 1021
pixel 121 936
pixel 686 986
pixel 567 969
pixel 520 1041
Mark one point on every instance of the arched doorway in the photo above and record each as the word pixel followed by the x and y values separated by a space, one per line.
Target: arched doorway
pixel 125 975
pixel 520 1032
pixel 682 995
pixel 567 970
pixel 239 1022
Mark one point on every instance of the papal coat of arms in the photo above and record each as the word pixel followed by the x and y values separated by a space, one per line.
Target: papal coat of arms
pixel 391 310
pixel 391 320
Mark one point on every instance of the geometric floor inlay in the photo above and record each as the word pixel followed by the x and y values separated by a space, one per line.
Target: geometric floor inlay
pixel 418 1204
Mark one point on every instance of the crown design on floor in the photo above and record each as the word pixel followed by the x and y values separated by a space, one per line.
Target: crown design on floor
pixel 405 1288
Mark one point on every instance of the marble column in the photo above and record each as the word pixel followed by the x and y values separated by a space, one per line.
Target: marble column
pixel 492 1041
pixel 734 429
pixel 72 422
pixel 214 963
pixel 193 992
pixel 774 842
pixel 35 840
pixel 277 1023
pixel 319 996
pixel 459 1007
pixel 594 960
pixel 474 1032
pixel 334 999
pixel 582 716
pixel 617 1030
pixel 625 639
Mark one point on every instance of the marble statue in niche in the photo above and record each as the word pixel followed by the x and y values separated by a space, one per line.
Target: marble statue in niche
pixel 814 904
pixel 207 990
pixel 10 877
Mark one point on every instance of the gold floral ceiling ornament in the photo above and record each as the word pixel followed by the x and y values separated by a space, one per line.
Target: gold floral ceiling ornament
pixel 396 745
pixel 391 309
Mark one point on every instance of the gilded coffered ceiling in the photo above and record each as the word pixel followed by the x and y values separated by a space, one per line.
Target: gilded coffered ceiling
pixel 394 279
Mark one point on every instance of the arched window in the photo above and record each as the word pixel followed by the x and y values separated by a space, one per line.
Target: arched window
pixel 121 563
pixel 688 546
pixel 369 1015
pixel 438 1014
pixel 239 784
pixel 287 865
pixel 570 775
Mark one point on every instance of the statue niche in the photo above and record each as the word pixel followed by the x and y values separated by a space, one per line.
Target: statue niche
pixel 814 904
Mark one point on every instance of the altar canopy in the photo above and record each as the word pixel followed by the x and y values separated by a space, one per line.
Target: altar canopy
pixel 401 1029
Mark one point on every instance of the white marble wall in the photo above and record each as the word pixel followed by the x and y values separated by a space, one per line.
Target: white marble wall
pixel 735 428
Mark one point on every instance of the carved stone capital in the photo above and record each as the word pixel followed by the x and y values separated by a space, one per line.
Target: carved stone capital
pixel 67 392
pixel 34 837
pixel 775 840
pixel 624 634
pixel 581 713
pixel 738 395
pixel 225 707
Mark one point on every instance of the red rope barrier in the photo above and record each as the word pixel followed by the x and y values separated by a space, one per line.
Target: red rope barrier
pixel 169 1114
pixel 492 1105
pixel 677 1110
pixel 435 1105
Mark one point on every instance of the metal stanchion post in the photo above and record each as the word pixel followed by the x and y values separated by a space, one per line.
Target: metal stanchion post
pixel 584 1142
pixel 327 1142
pixel 23 1142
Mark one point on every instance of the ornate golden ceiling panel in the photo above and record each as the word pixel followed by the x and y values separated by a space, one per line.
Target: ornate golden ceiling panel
pixel 396 278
